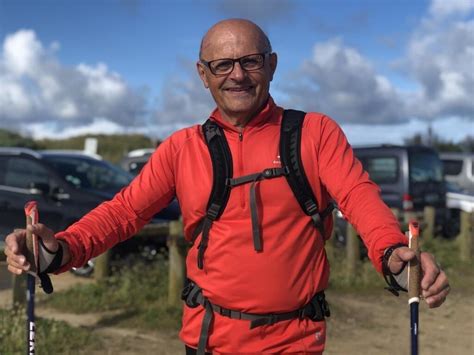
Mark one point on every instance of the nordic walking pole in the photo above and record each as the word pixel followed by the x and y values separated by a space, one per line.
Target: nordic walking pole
pixel 414 277
pixel 31 212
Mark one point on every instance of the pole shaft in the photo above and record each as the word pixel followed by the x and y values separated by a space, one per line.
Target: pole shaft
pixel 414 287
pixel 30 311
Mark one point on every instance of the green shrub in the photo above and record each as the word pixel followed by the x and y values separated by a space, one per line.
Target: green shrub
pixel 140 290
pixel 52 337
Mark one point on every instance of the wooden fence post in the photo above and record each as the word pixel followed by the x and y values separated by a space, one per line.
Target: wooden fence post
pixel 329 244
pixel 352 250
pixel 176 251
pixel 101 266
pixel 429 214
pixel 466 236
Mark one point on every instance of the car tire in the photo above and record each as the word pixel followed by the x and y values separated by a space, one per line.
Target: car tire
pixel 85 271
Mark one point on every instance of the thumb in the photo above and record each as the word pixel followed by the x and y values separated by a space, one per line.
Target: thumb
pixel 46 235
pixel 399 257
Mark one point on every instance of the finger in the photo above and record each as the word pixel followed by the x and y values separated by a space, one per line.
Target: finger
pixel 14 242
pixel 399 257
pixel 46 235
pixel 430 270
pixel 14 270
pixel 18 262
pixel 439 298
pixel 437 286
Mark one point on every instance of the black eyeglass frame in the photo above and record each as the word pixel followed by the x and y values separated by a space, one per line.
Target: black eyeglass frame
pixel 264 55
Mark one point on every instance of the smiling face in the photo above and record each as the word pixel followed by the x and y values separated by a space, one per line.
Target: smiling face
pixel 241 94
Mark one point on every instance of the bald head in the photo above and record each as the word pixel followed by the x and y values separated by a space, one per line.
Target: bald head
pixel 232 29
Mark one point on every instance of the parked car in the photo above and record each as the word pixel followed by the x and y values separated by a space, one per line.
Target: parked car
pixel 66 185
pixel 458 168
pixel 135 160
pixel 457 200
pixel 410 178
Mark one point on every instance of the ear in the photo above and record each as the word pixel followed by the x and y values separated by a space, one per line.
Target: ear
pixel 202 74
pixel 273 60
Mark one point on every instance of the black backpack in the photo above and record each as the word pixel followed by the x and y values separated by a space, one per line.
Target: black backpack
pixel 223 181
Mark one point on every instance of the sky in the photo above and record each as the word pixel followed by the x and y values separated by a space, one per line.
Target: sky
pixel 383 69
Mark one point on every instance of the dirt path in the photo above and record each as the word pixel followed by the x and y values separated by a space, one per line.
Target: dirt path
pixel 379 324
pixel 366 324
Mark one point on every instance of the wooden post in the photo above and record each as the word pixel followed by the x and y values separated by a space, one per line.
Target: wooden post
pixel 429 214
pixel 408 216
pixel 177 264
pixel 352 250
pixel 101 266
pixel 329 244
pixel 396 213
pixel 19 290
pixel 466 236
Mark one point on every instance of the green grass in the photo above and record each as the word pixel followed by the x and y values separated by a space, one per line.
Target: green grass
pixel 139 290
pixel 460 274
pixel 52 337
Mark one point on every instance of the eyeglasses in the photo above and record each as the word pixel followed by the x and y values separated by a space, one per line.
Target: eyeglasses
pixel 225 66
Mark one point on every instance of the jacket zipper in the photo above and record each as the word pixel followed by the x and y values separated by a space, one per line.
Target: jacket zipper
pixel 241 169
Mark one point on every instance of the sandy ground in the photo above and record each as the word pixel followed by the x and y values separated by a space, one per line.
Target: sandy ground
pixel 360 324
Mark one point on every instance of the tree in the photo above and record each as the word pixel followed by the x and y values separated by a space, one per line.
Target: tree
pixel 12 139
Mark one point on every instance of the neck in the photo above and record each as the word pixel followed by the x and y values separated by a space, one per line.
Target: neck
pixel 241 119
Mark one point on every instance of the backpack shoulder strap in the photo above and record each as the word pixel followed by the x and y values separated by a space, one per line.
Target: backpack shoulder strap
pixel 222 171
pixel 290 155
pixel 221 167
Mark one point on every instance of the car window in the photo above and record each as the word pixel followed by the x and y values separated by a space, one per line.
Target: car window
pixel 89 173
pixel 136 167
pixel 425 167
pixel 452 167
pixel 382 170
pixel 21 172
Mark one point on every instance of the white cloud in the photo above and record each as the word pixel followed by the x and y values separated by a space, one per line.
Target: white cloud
pixel 36 87
pixel 339 81
pixel 54 129
pixel 361 134
pixel 445 8
pixel 440 57
pixel 184 100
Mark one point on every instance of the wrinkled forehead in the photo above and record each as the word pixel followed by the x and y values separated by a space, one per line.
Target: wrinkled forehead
pixel 231 42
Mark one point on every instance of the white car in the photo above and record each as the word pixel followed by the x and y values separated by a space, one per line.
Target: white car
pixel 459 199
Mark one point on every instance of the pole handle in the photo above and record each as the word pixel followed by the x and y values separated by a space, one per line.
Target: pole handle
pixel 414 267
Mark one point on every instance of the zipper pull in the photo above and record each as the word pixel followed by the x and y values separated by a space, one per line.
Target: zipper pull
pixel 241 136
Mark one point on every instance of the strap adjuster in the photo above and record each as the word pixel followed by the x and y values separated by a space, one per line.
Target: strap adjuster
pixel 224 312
pixel 213 211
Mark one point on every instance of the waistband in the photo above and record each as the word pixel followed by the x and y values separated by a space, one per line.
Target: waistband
pixel 316 310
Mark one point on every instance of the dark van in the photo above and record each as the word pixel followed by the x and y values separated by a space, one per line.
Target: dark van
pixel 410 178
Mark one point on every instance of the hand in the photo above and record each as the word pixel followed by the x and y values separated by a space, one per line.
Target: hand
pixel 15 245
pixel 434 282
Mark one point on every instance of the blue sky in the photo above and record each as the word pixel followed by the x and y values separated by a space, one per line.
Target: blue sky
pixel 383 69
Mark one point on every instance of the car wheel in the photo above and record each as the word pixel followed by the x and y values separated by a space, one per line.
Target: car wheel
pixel 84 271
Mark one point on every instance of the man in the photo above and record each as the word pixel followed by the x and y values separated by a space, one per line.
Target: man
pixel 247 294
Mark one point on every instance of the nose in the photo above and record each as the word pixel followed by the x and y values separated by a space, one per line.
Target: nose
pixel 237 73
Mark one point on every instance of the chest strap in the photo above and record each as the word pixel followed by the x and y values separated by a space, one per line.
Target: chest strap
pixel 292 169
pixel 316 310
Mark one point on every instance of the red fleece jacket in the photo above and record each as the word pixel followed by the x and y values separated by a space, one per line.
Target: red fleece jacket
pixel 292 266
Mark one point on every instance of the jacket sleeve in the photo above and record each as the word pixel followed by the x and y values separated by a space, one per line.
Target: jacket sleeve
pixel 123 216
pixel 357 196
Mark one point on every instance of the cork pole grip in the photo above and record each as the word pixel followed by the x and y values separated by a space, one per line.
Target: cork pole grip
pixel 29 245
pixel 414 270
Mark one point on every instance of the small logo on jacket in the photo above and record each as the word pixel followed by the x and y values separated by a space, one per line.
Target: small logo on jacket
pixel 277 161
